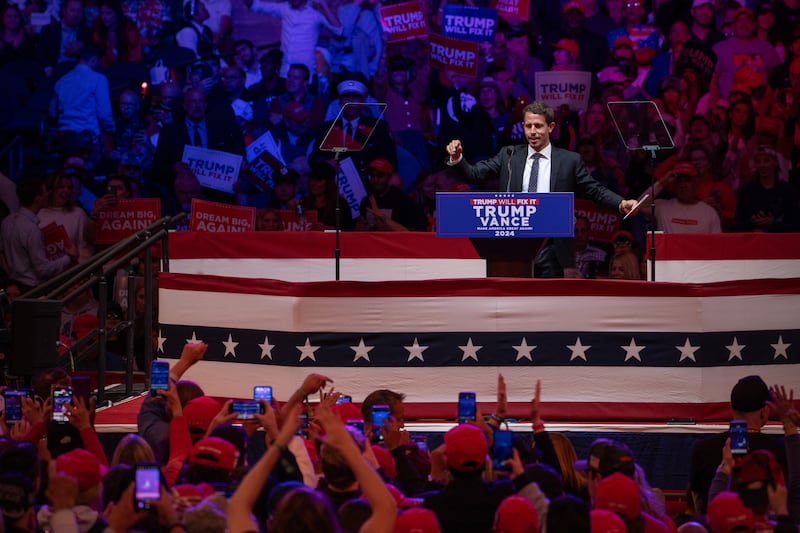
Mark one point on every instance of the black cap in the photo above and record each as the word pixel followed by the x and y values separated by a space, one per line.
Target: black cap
pixel 608 456
pixel 749 394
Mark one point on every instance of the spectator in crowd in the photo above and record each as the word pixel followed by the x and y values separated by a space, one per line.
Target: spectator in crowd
pixel 620 493
pixel 220 22
pixel 360 46
pixel 591 50
pixel 301 23
pixel 323 197
pixel 15 42
pixel 198 128
pixel 387 207
pixel 131 142
pixel 596 123
pixel 606 172
pixel 685 213
pixel 738 138
pixel 195 35
pixel 743 43
pixel 297 90
pixel 703 24
pixel 115 35
pixel 284 193
pixel 61 209
pixel 589 260
pixel 405 91
pixel 520 64
pixel 270 84
pixel 710 189
pixel 247 60
pixel 492 104
pixel 60 42
pixel 23 250
pixel 83 101
pixel 644 38
pixel 233 85
pixel 751 401
pixel 185 189
pixel 624 265
pixel 269 219
pixel 767 203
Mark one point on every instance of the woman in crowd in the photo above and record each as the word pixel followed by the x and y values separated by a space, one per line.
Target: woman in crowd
pixel 710 189
pixel 323 196
pixel 15 42
pixel 62 210
pixel 767 203
pixel 739 130
pixel 624 265
pixel 490 98
pixel 115 35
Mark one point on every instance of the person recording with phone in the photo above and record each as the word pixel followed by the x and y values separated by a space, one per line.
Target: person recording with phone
pixel 541 167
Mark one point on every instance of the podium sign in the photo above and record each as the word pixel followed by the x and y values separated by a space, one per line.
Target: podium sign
pixel 504 214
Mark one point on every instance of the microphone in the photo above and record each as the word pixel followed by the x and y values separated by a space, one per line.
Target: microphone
pixel 510 151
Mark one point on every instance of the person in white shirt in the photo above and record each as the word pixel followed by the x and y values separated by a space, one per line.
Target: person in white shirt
pixel 685 213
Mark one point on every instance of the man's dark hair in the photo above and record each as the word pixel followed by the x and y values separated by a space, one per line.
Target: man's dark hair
pixel 188 391
pixel 303 68
pixel 245 42
pixel 274 54
pixel 380 397
pixel 568 514
pixel 337 472
pixel 28 189
pixel 538 107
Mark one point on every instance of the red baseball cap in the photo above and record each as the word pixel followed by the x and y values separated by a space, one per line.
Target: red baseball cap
pixel 620 494
pixel 83 467
pixel 200 411
pixel 465 448
pixel 516 514
pixel 214 452
pixel 295 111
pixel 727 512
pixel 417 520
pixel 604 521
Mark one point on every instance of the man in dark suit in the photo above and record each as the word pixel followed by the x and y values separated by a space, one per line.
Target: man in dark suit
pixel 214 131
pixel 365 137
pixel 60 42
pixel 541 167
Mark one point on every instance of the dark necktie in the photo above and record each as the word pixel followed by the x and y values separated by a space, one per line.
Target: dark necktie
pixel 348 129
pixel 534 179
pixel 198 141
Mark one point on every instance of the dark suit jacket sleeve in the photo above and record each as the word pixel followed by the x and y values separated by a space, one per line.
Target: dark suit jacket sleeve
pixel 584 184
pixel 486 169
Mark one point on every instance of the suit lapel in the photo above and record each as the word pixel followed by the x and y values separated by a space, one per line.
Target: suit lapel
pixel 518 167
pixel 554 168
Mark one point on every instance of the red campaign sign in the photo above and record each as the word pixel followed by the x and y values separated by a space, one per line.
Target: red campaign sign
pixel 215 217
pixel 56 241
pixel 512 9
pixel 403 22
pixel 605 222
pixel 129 216
pixel 454 55
pixel 291 223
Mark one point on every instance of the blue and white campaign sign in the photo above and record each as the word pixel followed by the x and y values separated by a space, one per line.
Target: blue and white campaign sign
pixel 504 214
pixel 557 87
pixel 469 23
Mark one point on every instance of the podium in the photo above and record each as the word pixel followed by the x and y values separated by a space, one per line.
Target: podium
pixel 507 229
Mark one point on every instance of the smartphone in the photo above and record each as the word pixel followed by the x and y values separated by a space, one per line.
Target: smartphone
pixel 421 441
pixel 82 388
pixel 738 432
pixel 246 409
pixel 358 424
pixel 13 404
pixel 148 485
pixel 159 377
pixel 380 416
pixel 62 397
pixel 344 399
pixel 502 449
pixel 263 392
pixel 466 406
pixel 303 429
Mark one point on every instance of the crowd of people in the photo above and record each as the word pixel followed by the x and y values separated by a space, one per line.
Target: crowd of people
pixel 296 465
pixel 128 86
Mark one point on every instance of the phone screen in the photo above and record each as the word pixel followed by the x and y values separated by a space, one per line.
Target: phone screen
pixel 502 449
pixel 421 441
pixel 344 399
pixel 246 409
pixel 303 430
pixel 62 397
pixel 13 400
pixel 738 430
pixel 263 392
pixel 148 485
pixel 159 377
pixel 466 406
pixel 81 387
pixel 380 416
pixel 358 424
